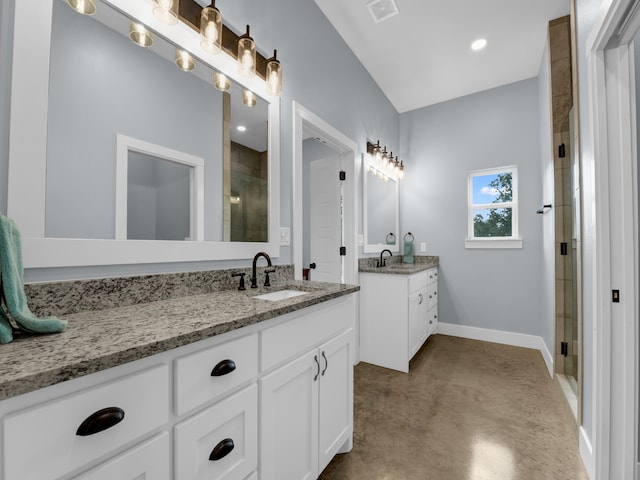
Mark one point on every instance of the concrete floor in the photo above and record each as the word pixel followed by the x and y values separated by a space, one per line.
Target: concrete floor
pixel 467 410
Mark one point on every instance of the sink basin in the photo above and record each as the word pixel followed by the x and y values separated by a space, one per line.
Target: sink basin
pixel 280 295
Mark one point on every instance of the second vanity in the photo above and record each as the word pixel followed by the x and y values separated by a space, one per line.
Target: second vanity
pixel 218 385
pixel 398 310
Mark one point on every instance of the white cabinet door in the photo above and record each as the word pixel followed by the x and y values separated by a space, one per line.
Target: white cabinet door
pixel 289 419
pixel 418 321
pixel 148 460
pixel 336 396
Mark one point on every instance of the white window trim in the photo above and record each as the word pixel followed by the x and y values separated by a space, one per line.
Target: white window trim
pixel 514 241
pixel 126 144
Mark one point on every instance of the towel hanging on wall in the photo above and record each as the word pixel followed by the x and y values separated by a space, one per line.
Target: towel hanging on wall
pixel 408 248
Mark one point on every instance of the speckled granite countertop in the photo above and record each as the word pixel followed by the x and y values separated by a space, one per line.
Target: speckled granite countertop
pixel 97 340
pixel 395 266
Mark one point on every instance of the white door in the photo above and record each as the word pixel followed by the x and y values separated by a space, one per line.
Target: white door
pixel 326 220
pixel 336 396
pixel 289 420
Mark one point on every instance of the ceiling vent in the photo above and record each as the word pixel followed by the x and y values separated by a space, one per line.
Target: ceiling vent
pixel 382 9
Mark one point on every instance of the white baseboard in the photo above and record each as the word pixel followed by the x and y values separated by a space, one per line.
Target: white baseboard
pixel 498 336
pixel 586 452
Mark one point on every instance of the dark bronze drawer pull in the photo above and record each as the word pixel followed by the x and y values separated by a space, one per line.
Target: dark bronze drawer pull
pixel 100 420
pixel 222 449
pixel 223 368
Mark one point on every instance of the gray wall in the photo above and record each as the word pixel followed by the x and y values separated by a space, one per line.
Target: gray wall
pixel 494 289
pixel 6 42
pixel 138 94
pixel 320 72
pixel 586 14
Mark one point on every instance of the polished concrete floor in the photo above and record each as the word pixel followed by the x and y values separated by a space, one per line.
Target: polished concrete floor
pixel 467 410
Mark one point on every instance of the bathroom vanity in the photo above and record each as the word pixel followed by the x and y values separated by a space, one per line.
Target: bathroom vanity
pixel 216 385
pixel 398 310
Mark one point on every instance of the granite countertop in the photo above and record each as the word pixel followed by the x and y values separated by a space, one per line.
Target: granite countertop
pixel 395 266
pixel 97 340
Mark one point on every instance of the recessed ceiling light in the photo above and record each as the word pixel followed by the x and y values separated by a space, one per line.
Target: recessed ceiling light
pixel 241 128
pixel 479 44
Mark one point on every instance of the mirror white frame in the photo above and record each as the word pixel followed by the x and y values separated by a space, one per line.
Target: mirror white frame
pixel 367 247
pixel 28 152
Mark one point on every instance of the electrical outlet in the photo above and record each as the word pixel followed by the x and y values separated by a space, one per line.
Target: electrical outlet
pixel 285 236
pixel 423 247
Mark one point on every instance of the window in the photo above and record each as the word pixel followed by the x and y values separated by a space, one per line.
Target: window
pixel 493 208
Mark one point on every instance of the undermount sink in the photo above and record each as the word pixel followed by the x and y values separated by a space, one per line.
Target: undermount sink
pixel 280 295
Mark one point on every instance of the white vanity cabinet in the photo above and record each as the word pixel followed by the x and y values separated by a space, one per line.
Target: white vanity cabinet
pixel 192 413
pixel 307 403
pixel 397 314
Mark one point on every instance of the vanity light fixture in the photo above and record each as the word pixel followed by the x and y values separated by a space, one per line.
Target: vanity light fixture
pixel 248 98
pixel 211 29
pixel 140 35
pixel 85 7
pixel 184 61
pixel 221 82
pixel 384 164
pixel 246 55
pixel 166 11
pixel 274 75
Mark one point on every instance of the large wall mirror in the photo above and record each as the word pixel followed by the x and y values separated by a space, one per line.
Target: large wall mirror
pixel 380 212
pixel 119 157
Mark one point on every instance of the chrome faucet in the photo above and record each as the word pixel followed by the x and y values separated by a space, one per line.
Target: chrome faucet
pixel 254 275
pixel 382 262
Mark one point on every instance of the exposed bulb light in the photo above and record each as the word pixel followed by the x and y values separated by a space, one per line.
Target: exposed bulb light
pixel 246 55
pixel 140 35
pixel 274 75
pixel 166 11
pixel 211 29
pixel 184 61
pixel 479 44
pixel 241 128
pixel 221 82
pixel 248 98
pixel 85 7
pixel 401 173
pixel 377 151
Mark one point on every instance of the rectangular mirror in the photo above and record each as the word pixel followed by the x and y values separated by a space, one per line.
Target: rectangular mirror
pixel 100 86
pixel 380 212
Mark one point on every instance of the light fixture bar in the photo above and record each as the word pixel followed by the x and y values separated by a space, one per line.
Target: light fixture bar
pixel 189 13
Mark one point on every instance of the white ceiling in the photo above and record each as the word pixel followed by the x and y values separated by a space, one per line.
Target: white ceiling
pixel 422 55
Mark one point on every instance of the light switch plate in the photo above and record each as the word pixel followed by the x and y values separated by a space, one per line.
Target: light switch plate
pixel 285 236
pixel 360 240
pixel 423 247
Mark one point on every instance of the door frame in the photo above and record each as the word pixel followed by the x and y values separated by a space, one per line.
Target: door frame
pixel 302 115
pixel 613 167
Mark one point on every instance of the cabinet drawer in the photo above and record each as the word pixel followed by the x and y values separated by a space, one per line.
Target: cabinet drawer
pixel 149 460
pixel 417 281
pixel 235 362
pixel 432 295
pixel 42 442
pixel 284 341
pixel 228 431
pixel 432 275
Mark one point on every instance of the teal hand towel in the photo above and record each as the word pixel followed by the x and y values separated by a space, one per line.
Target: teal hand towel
pixel 408 251
pixel 13 288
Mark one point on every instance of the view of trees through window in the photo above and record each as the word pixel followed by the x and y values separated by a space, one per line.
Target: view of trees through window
pixel 492 205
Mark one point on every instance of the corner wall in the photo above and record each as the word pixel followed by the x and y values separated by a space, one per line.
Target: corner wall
pixel 490 289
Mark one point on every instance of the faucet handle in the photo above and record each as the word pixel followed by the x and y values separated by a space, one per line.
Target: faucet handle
pixel 241 275
pixel 267 283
